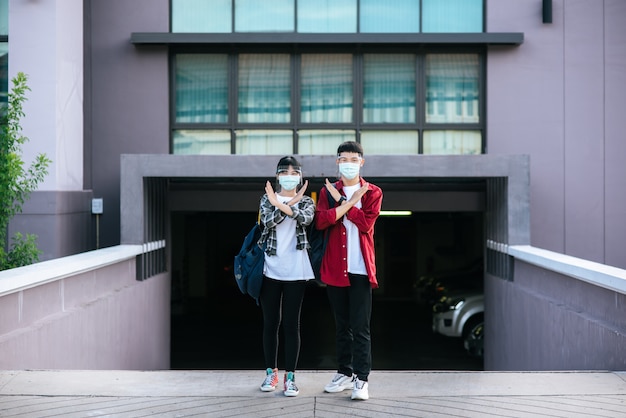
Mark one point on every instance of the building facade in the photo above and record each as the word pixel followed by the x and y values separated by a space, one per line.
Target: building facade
pixel 171 109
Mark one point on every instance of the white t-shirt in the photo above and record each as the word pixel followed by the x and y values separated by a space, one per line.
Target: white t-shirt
pixel 356 264
pixel 289 263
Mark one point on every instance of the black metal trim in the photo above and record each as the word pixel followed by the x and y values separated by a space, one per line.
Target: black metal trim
pixel 168 38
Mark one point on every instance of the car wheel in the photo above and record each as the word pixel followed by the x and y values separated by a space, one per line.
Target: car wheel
pixel 473 333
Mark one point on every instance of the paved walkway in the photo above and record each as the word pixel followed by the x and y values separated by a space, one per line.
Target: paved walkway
pixel 235 394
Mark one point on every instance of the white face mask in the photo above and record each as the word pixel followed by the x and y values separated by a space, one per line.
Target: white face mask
pixel 349 170
pixel 288 182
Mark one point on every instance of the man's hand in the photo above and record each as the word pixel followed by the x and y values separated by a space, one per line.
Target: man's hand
pixel 359 194
pixel 333 191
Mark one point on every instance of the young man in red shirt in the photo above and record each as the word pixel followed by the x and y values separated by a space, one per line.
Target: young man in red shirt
pixel 348 267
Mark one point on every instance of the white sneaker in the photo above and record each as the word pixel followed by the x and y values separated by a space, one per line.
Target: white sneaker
pixel 339 383
pixel 359 390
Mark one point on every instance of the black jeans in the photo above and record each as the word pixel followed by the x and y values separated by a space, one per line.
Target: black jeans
pixel 352 308
pixel 281 301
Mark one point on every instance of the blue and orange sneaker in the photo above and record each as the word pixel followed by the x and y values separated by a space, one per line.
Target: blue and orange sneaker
pixel 271 380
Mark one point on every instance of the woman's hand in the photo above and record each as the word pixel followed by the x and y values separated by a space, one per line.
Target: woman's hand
pixel 299 195
pixel 271 194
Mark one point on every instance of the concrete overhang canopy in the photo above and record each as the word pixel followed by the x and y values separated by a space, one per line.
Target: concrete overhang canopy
pixel 515 169
pixel 364 39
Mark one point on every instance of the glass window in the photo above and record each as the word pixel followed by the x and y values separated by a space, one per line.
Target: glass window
pixel 201 88
pixel 322 141
pixel 452 85
pixel 4 56
pixel 460 16
pixel 4 76
pixel 337 16
pixel 201 142
pixel 213 16
pixel 397 16
pixel 264 16
pixel 452 142
pixel 264 88
pixel 390 142
pixel 314 16
pixel 264 142
pixel 265 121
pixel 326 88
pixel 389 88
pixel 4 17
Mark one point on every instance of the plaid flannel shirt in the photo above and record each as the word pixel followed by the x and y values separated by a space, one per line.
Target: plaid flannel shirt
pixel 303 213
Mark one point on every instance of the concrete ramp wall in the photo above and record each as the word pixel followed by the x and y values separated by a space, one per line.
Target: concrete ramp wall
pixel 557 313
pixel 86 311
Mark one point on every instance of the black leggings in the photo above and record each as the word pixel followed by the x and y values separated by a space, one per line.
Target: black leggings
pixel 281 300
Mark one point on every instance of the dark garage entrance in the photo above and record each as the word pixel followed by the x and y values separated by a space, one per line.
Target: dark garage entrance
pixel 216 327
pixel 184 186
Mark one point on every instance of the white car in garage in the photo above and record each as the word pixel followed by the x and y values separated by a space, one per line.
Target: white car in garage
pixel 461 315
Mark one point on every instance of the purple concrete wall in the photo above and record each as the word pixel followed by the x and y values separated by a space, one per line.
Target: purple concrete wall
pixel 61 220
pixel 615 132
pixel 102 319
pixel 583 34
pixel 525 108
pixel 129 96
pixel 533 324
pixel 559 98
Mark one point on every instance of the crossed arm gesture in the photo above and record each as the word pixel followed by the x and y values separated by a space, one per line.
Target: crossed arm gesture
pixel 348 204
pixel 285 207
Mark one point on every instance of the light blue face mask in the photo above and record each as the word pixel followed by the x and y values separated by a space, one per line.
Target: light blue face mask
pixel 349 170
pixel 288 182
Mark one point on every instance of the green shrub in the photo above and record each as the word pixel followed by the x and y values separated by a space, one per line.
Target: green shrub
pixel 16 181
pixel 23 251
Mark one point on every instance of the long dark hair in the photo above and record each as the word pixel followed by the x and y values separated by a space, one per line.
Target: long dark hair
pixel 285 162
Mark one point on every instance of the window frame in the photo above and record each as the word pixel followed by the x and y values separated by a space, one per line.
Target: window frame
pixel 420 125
pixel 358 20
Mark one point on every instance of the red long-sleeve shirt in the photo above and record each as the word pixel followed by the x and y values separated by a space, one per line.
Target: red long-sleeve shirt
pixel 334 270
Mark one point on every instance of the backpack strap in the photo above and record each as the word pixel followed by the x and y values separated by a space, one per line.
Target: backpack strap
pixel 330 198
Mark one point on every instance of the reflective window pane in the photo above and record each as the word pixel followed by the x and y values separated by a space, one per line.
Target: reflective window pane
pixel 265 16
pixel 389 88
pixel 460 16
pixel 390 142
pixel 202 16
pixel 201 88
pixel 337 16
pixel 452 88
pixel 205 142
pixel 4 76
pixel 397 16
pixel 326 89
pixel 322 142
pixel 260 85
pixel 264 88
pixel 264 142
pixel 452 142
pixel 4 17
